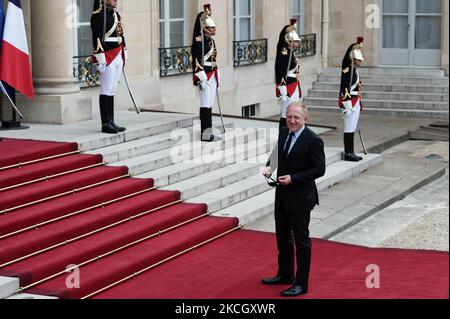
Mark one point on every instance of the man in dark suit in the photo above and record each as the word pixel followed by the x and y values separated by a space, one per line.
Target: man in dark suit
pixel 301 160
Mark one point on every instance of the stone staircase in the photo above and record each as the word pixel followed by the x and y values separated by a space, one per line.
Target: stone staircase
pixel 230 183
pixel 398 92
pixel 224 174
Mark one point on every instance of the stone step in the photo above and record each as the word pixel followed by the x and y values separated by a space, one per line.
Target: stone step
pixel 162 124
pixel 252 208
pixel 8 286
pixel 383 104
pixel 185 170
pixel 142 146
pixel 380 71
pixel 190 150
pixel 410 88
pixel 371 79
pixel 439 114
pixel 369 95
pixel 212 180
pixel 336 215
pixel 232 194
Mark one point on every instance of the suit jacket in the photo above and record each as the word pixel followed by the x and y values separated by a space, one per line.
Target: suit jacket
pixel 305 163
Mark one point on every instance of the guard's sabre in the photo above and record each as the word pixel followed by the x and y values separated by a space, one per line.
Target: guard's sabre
pixel 131 92
pixel 362 142
pixel 220 110
pixel 10 101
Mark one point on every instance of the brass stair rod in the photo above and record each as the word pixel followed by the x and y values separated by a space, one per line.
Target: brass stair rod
pixel 39 160
pixel 46 178
pixel 22 289
pixel 66 193
pixel 36 226
pixel 69 241
pixel 162 261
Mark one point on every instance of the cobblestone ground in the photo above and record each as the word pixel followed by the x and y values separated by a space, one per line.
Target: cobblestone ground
pixel 431 231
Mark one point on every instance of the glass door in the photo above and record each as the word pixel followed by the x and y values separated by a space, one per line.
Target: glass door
pixel 411 32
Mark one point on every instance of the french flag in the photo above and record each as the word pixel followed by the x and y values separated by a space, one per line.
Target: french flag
pixel 15 68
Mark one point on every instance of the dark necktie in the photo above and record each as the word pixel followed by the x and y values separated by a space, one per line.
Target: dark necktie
pixel 288 145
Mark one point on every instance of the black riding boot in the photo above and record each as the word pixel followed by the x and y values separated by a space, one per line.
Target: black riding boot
pixel 349 154
pixel 206 125
pixel 105 116
pixel 353 148
pixel 111 115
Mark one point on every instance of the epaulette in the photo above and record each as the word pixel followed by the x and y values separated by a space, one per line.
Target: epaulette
pixel 97 11
pixel 345 71
pixel 284 51
pixel 198 39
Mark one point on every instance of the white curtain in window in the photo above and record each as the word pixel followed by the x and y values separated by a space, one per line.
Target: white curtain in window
pixel 243 20
pixel 173 23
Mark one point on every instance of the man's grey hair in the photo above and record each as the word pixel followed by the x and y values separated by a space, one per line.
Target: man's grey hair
pixel 303 107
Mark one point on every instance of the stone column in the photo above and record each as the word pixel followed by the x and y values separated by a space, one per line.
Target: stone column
pixel 325 23
pixel 58 98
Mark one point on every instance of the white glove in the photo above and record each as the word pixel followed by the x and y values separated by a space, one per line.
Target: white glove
pixel 348 107
pixel 203 86
pixel 283 92
pixel 101 62
pixel 202 76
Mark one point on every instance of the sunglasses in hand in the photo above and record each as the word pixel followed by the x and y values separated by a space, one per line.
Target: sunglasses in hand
pixel 272 182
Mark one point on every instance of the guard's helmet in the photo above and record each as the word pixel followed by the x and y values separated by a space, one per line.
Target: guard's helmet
pixel 291 35
pixel 208 22
pixel 356 52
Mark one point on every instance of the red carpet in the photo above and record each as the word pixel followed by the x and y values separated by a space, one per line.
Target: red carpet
pixel 232 268
pixel 116 226
pixel 14 151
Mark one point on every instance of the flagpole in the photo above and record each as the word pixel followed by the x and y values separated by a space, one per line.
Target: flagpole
pixel 15 109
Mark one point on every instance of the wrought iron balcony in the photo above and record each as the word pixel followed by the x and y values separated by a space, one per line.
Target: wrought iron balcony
pixel 249 52
pixel 307 46
pixel 85 72
pixel 175 61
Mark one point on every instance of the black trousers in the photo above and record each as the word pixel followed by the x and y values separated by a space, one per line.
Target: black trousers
pixel 292 233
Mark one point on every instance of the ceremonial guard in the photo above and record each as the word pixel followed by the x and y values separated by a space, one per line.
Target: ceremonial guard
pixel 350 96
pixel 287 70
pixel 110 55
pixel 204 57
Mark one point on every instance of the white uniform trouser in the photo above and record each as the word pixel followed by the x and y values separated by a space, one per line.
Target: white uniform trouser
pixel 295 98
pixel 209 93
pixel 351 119
pixel 110 78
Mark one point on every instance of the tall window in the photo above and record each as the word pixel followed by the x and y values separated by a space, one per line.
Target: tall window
pixel 83 33
pixel 243 20
pixel 297 9
pixel 173 23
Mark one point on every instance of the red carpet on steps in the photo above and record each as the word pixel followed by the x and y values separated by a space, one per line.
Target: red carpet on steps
pixel 229 267
pixel 14 151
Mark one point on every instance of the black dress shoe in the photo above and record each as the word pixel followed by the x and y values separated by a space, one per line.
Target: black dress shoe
pixel 294 291
pixel 351 158
pixel 118 128
pixel 357 157
pixel 277 280
pixel 108 128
